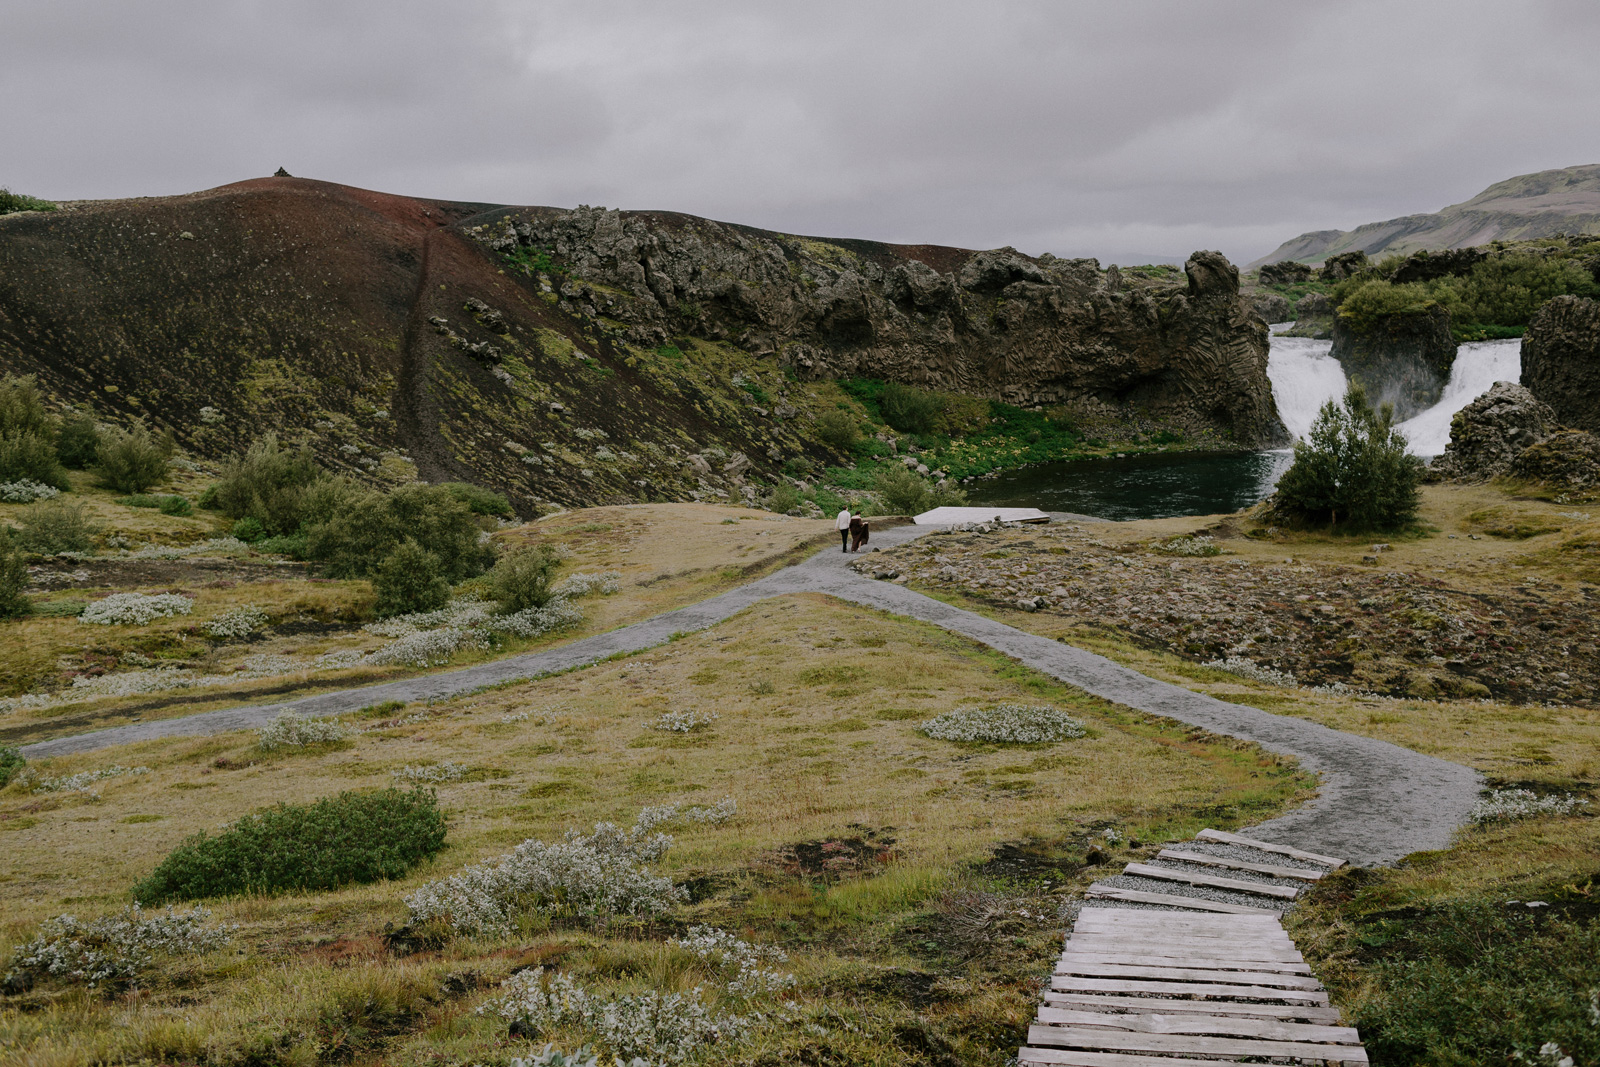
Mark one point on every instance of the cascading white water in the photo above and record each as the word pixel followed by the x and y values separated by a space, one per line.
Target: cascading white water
pixel 1304 377
pixel 1477 367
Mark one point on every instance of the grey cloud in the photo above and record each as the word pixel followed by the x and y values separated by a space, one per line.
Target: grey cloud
pixel 1078 128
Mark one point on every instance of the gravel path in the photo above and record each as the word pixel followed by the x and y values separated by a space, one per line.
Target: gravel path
pixel 1377 801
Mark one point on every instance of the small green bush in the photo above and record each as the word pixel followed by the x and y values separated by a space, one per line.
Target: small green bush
pixel 351 837
pixel 12 202
pixel 78 442
pixel 248 529
pixel 784 498
pixel 269 484
pixel 902 491
pixel 51 526
pixel 132 460
pixel 13 577
pixel 838 428
pixel 175 505
pixel 480 501
pixel 1352 471
pixel 168 504
pixel 11 762
pixel 909 409
pixel 523 577
pixel 407 580
pixel 27 435
pixel 364 528
pixel 66 608
pixel 291 545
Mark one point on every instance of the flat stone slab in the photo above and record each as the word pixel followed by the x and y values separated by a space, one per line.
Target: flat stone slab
pixel 959 516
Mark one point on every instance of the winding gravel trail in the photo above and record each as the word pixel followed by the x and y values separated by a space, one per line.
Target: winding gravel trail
pixel 1377 801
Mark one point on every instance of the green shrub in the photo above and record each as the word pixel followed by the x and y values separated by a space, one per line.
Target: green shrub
pixel 132 460
pixel 269 484
pixel 1473 983
pixel 27 435
pixel 51 526
pixel 364 528
pixel 175 505
pixel 478 500
pixel 12 202
pixel 1369 301
pixel 902 491
pixel 1507 290
pixel 784 498
pixel 169 504
pixel 408 579
pixel 1351 471
pixel 249 530
pixel 351 837
pixel 13 577
pixel 838 428
pixel 523 577
pixel 66 608
pixel 291 545
pixel 78 442
pixel 11 762
pixel 909 409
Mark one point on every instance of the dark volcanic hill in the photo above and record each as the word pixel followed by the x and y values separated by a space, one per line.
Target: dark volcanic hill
pixel 578 356
pixel 1544 204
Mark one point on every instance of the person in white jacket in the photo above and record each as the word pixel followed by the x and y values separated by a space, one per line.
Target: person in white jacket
pixel 843 523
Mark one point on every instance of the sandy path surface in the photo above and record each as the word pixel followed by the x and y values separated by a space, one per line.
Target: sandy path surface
pixel 1377 802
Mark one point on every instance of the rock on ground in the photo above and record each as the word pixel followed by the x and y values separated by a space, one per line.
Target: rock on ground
pixel 1561 360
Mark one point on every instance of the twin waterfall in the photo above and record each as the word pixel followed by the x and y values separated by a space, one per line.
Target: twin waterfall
pixel 1304 377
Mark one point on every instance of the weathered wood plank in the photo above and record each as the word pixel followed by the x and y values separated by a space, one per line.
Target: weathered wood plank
pixel 1202 858
pixel 1264 922
pixel 1210 946
pixel 1331 862
pixel 1083 1058
pixel 1139 896
pixel 1069 983
pixel 1187 974
pixel 1120 1041
pixel 1211 1025
pixel 1109 1003
pixel 1145 870
pixel 1177 959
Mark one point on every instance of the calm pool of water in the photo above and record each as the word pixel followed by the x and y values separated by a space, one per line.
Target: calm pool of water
pixel 1139 487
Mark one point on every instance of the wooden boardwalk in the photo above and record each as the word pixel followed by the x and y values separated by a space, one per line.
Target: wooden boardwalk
pixel 1207 986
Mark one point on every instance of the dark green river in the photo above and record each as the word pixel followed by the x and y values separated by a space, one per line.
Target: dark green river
pixel 1152 486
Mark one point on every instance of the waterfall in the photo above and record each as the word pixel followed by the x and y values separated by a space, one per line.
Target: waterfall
pixel 1477 367
pixel 1304 377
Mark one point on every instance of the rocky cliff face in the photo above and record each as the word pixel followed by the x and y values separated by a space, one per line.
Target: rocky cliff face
pixel 1561 360
pixel 1489 434
pixel 1402 359
pixel 997 324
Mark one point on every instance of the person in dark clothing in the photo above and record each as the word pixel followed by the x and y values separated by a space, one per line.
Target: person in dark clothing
pixel 858 532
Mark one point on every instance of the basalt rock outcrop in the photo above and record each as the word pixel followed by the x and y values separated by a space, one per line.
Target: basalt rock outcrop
pixel 1561 360
pixel 1285 273
pixel 1488 435
pixel 1028 331
pixel 1272 307
pixel 1402 359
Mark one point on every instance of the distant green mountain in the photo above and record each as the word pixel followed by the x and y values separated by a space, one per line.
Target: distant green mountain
pixel 1530 205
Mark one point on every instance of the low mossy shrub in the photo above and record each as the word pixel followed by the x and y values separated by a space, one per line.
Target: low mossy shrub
pixel 56 525
pixel 134 459
pixel 1481 982
pixel 480 501
pixel 167 503
pixel 351 837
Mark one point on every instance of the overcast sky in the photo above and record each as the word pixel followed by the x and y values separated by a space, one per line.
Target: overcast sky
pixel 1117 129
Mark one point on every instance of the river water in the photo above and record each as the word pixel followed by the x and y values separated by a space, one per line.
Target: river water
pixel 1304 377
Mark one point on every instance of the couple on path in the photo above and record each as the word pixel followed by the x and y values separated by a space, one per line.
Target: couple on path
pixel 853 531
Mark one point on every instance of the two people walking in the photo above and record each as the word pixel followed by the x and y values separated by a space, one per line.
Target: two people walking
pixel 853 531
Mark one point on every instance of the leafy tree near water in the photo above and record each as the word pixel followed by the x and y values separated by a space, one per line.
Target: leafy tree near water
pixel 1352 472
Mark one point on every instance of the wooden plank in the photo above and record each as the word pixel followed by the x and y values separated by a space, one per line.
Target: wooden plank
pixel 1109 1003
pixel 1212 1025
pixel 1187 974
pixel 1267 846
pixel 1145 870
pixel 1262 922
pixel 1210 946
pixel 1240 865
pixel 1183 960
pixel 1119 1041
pixel 1139 896
pixel 1083 1058
pixel 1069 983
